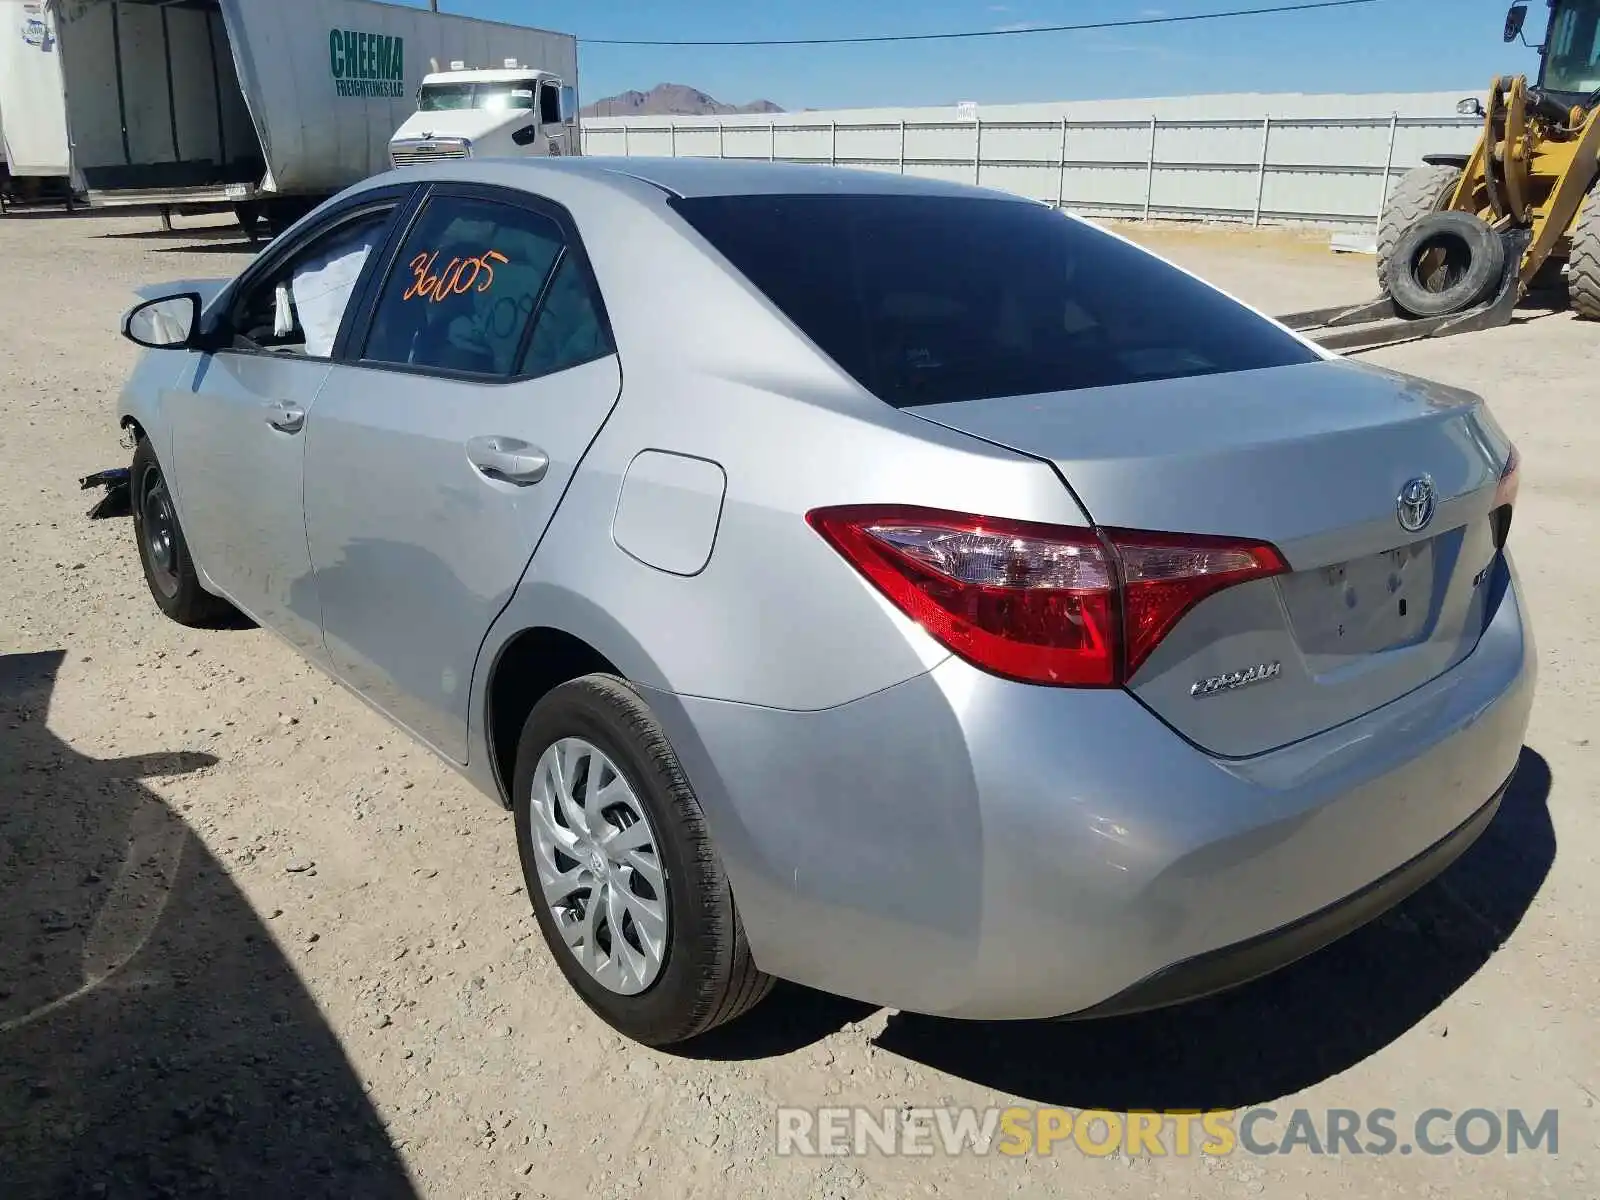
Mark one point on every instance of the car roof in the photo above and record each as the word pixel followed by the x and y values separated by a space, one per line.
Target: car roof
pixel 689 177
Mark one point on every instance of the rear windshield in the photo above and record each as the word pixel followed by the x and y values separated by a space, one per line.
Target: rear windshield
pixel 930 299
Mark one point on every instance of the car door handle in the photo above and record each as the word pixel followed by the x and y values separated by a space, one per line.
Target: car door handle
pixel 285 416
pixel 507 459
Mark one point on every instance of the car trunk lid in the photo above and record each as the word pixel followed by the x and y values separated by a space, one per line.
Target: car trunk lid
pixel 1312 458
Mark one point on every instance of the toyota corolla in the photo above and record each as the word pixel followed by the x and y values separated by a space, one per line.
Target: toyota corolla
pixel 893 586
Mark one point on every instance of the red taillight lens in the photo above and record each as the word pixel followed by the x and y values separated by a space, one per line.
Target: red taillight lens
pixel 1510 480
pixel 1505 498
pixel 1026 601
pixel 1039 603
pixel 1165 575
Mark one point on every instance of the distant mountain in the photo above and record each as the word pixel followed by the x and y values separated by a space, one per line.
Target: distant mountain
pixel 671 100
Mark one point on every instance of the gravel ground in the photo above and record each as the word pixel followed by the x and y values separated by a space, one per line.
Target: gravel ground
pixel 253 941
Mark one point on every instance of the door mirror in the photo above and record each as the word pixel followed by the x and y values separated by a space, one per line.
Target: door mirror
pixel 525 136
pixel 569 105
pixel 165 323
pixel 1516 18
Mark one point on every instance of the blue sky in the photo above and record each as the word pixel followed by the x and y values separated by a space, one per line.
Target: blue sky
pixel 1393 45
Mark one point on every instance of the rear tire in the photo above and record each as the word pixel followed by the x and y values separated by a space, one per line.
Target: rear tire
pixel 278 214
pixel 1445 263
pixel 163 552
pixel 248 214
pixel 1583 268
pixel 1421 191
pixel 698 974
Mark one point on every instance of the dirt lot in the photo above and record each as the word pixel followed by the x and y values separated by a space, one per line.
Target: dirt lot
pixel 254 942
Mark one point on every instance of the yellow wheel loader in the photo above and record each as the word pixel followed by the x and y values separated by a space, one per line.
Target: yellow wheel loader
pixel 1464 238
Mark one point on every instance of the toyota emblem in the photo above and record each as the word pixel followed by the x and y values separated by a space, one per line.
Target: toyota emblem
pixel 1415 504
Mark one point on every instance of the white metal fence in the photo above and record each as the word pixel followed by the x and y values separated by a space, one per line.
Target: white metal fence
pixel 1303 170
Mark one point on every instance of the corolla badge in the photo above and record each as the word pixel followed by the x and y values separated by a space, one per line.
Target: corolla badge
pixel 36 33
pixel 1233 680
pixel 1415 504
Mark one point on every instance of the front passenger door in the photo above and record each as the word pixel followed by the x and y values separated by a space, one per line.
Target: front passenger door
pixel 436 456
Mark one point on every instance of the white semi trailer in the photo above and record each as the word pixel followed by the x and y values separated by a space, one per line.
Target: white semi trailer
pixel 33 115
pixel 265 105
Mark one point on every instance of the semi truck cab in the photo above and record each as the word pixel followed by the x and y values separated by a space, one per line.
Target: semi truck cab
pixel 504 112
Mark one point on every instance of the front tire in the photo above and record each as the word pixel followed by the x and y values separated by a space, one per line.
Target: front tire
pixel 1583 267
pixel 626 885
pixel 1421 191
pixel 163 552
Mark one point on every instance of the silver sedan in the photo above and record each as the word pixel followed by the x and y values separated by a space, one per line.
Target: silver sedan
pixel 896 587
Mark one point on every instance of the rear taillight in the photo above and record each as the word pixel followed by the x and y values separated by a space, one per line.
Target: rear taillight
pixel 1039 603
pixel 1505 496
pixel 1165 575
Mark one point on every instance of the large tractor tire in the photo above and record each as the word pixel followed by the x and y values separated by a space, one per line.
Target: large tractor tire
pixel 1421 190
pixel 1583 268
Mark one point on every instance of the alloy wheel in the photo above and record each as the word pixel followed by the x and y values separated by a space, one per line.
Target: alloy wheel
pixel 598 866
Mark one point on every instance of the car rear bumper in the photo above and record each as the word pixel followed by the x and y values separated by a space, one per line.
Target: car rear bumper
pixel 1217 970
pixel 967 846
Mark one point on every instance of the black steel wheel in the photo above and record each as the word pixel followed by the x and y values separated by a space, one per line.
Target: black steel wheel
pixel 163 552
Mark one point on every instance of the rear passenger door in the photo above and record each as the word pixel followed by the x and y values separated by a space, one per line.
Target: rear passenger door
pixel 440 446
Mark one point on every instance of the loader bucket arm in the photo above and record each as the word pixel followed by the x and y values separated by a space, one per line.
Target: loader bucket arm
pixel 1534 163
pixel 1572 163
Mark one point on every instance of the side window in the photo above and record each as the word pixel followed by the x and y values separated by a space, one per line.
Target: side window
pixel 568 331
pixel 465 287
pixel 549 104
pixel 298 308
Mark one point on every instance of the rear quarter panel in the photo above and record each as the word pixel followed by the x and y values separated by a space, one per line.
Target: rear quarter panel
pixel 775 617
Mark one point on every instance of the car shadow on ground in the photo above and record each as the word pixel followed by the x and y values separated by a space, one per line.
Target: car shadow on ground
pixel 1267 1039
pixel 202 239
pixel 55 210
pixel 229 247
pixel 1289 1030
pixel 791 1018
pixel 178 233
pixel 153 1039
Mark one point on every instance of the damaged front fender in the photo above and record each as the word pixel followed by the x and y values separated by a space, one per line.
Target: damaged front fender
pixel 118 500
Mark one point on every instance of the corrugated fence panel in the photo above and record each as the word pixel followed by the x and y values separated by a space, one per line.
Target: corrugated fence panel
pixel 1260 159
pixel 868 145
pixel 805 143
pixel 1415 138
pixel 1095 189
pixel 1108 143
pixel 1307 195
pixel 743 142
